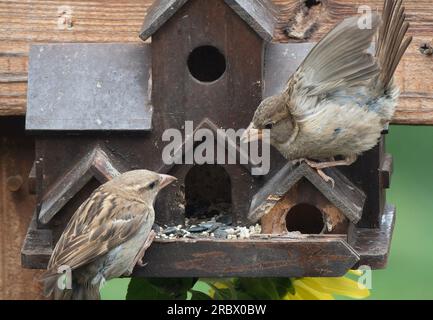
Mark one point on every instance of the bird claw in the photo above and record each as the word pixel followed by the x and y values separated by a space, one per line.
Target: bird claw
pixel 146 246
pixel 325 177
pixel 316 166
pixel 141 264
pixel 312 164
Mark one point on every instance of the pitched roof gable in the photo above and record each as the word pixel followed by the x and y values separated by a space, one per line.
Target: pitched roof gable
pixel 344 195
pixel 220 137
pixel 98 163
pixel 260 15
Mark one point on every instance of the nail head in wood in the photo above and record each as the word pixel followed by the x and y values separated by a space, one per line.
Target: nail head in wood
pixel 14 183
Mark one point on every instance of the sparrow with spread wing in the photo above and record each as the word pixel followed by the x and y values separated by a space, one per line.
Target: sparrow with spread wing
pixel 340 99
pixel 107 236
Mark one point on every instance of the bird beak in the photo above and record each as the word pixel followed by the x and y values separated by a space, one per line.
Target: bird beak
pixel 251 134
pixel 166 180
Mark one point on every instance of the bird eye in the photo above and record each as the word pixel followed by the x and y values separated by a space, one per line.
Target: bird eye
pixel 152 185
pixel 269 126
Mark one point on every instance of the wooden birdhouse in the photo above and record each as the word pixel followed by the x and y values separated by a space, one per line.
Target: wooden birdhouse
pixel 297 199
pixel 98 110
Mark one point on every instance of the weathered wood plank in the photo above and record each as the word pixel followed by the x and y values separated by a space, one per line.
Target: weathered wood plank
pixel 37 247
pixel 96 164
pixel 264 258
pixel 264 255
pixel 344 195
pixel 259 15
pixel 117 78
pixel 16 209
pixel 373 245
pixel 273 257
pixel 25 22
pixel 386 170
pixel 158 14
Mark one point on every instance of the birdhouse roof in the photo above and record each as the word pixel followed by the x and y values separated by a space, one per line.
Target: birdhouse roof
pixel 260 15
pixel 78 87
pixel 219 138
pixel 98 163
pixel 344 195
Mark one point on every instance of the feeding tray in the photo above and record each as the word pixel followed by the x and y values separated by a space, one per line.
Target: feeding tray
pixel 261 256
pixel 98 110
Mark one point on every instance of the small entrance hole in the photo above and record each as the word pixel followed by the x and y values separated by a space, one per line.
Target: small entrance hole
pixel 306 219
pixel 207 192
pixel 206 64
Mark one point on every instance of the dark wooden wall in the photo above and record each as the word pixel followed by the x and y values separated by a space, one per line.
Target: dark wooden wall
pixel 16 209
pixel 229 102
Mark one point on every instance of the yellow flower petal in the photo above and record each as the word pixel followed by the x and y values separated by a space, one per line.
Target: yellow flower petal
pixel 221 285
pixel 289 296
pixel 357 273
pixel 308 292
pixel 310 288
pixel 341 286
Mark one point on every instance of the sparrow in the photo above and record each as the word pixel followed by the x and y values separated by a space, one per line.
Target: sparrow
pixel 106 237
pixel 341 97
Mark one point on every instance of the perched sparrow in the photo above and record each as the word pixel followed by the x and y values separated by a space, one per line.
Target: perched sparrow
pixel 107 236
pixel 341 97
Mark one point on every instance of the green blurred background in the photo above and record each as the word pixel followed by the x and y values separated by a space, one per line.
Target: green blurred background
pixel 410 269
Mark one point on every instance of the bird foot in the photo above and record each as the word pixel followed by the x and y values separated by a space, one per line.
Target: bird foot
pixel 140 263
pixel 146 246
pixel 317 166
pixel 325 177
pixel 329 164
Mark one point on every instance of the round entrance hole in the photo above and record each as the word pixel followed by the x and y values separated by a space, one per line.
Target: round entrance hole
pixel 306 219
pixel 206 64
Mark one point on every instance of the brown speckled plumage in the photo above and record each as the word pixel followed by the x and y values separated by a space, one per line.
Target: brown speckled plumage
pixel 104 238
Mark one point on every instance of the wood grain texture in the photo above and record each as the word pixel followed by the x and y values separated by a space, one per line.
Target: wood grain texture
pixel 43 21
pixel 260 15
pixel 373 245
pixel 303 192
pixel 37 246
pixel 344 195
pixel 308 256
pixel 158 14
pixel 96 164
pixel 415 72
pixel 16 207
pixel 270 256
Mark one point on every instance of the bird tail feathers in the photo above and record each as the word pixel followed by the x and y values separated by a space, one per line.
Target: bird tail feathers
pixel 392 41
pixel 53 286
pixel 84 292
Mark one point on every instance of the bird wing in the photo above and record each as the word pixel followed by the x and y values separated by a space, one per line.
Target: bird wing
pixel 101 223
pixel 339 61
